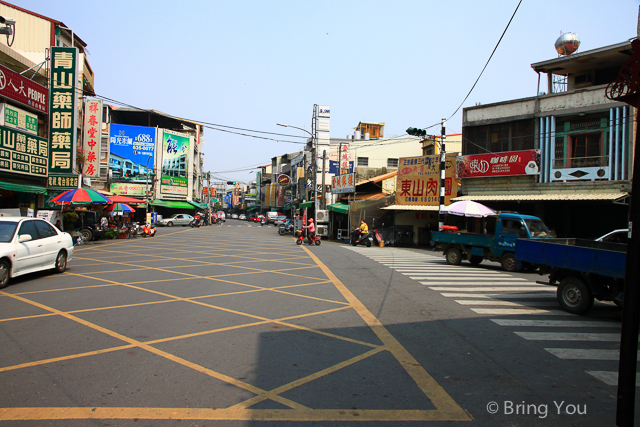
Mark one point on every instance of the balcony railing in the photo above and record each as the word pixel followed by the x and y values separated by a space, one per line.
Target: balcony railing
pixel 581 162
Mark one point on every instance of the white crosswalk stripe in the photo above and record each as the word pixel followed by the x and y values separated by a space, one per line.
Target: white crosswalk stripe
pixel 520 304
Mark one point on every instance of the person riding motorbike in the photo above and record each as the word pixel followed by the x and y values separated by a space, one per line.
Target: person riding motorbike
pixel 311 229
pixel 196 220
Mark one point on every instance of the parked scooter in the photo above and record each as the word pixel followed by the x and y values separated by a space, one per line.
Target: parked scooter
pixel 358 238
pixel 286 228
pixel 315 240
pixel 149 230
pixel 136 230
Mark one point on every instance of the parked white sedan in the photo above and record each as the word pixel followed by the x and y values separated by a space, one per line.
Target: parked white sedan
pixel 31 244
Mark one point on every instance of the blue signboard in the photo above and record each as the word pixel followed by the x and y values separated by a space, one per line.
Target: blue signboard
pixel 130 147
pixel 333 167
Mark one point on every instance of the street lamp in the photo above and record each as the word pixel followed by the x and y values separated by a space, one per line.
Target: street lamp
pixel 314 141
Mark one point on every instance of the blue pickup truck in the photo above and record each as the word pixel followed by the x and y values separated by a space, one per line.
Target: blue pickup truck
pixel 497 242
pixel 581 269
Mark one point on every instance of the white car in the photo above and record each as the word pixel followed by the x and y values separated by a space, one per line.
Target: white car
pixel 31 244
pixel 615 236
pixel 177 219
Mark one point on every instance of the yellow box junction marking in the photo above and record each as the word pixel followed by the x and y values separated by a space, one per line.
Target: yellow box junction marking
pixel 446 408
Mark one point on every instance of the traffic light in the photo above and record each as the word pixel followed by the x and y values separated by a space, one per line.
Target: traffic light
pixel 416 132
pixel 231 183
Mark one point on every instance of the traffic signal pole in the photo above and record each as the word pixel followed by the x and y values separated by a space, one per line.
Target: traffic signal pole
pixel 442 174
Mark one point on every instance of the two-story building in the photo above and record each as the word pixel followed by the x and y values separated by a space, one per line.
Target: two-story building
pixel 564 155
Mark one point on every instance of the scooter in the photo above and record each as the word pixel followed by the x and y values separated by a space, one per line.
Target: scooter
pixel 358 238
pixel 314 240
pixel 195 222
pixel 136 230
pixel 286 228
pixel 149 230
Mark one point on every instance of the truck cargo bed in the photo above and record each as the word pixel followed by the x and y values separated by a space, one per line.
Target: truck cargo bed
pixel 585 256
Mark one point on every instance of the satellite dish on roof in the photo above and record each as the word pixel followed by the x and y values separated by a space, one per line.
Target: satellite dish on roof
pixel 567 44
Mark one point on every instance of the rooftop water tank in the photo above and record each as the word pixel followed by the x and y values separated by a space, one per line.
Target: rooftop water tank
pixel 567 43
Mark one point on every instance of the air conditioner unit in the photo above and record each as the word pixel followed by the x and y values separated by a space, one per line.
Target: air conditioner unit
pixel 323 230
pixel 322 215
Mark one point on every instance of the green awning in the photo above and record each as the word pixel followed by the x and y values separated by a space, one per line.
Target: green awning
pixel 179 205
pixel 339 207
pixel 306 205
pixel 22 188
pixel 160 203
pixel 252 209
pixel 199 205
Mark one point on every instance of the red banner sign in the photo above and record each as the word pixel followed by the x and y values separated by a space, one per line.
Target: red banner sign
pixel 499 164
pixel 22 90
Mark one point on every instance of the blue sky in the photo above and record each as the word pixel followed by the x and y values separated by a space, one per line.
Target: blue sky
pixel 252 64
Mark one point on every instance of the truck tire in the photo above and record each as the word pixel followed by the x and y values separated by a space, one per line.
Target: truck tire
pixel 509 262
pixel 475 259
pixel 87 235
pixel 574 296
pixel 453 256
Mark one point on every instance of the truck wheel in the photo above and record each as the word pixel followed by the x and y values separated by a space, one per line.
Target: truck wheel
pixel 453 256
pixel 87 235
pixel 574 296
pixel 509 262
pixel 475 259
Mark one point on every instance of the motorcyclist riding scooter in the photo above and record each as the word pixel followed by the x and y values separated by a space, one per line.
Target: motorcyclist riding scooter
pixel 313 239
pixel 361 235
pixel 196 221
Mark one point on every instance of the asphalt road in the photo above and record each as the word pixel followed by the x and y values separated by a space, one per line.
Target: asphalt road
pixel 234 325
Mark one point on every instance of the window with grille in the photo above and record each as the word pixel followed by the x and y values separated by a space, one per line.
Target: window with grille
pixel 392 163
pixel 498 137
pixel 363 161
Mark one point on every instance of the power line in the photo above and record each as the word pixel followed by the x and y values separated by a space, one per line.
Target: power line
pixel 488 60
pixel 484 68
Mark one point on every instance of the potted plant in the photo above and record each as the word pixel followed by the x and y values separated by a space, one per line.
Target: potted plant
pixel 68 219
pixel 111 234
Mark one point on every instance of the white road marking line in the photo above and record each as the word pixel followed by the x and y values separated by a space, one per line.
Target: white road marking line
pixel 458 273
pixel 546 294
pixel 557 323
pixel 610 377
pixel 568 336
pixel 584 354
pixel 519 311
pixel 476 280
pixel 438 287
pixel 509 303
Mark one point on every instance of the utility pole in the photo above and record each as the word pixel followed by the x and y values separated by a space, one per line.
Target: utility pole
pixel 324 189
pixel 209 190
pixel 306 180
pixel 314 161
pixel 442 174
